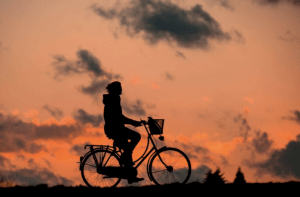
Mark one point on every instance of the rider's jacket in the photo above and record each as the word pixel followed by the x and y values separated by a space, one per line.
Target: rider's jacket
pixel 114 119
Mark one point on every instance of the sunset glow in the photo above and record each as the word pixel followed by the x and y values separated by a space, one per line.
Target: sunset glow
pixel 224 74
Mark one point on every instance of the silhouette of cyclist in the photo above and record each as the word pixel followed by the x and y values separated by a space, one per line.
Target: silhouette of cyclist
pixel 115 129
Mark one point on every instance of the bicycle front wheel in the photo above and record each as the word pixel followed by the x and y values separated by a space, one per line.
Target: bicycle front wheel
pixel 89 172
pixel 170 165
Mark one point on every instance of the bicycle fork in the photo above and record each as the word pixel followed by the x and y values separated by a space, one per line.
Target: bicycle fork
pixel 169 168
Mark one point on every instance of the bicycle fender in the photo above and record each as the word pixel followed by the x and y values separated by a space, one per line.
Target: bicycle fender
pixel 89 152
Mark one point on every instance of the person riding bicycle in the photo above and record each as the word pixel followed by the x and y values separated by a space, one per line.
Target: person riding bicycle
pixel 115 129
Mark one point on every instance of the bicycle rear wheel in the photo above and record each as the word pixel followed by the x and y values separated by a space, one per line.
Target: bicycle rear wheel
pixel 173 167
pixel 89 169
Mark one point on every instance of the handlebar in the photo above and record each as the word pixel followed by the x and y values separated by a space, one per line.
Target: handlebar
pixel 144 122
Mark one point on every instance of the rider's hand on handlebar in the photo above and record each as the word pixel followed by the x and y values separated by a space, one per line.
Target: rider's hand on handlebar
pixel 143 122
pixel 138 123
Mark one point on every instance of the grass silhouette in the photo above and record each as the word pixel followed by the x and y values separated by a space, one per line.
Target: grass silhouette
pixel 191 189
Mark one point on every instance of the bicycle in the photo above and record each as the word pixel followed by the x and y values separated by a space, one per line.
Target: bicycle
pixel 100 167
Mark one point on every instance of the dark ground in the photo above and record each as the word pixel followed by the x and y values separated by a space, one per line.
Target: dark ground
pixel 191 189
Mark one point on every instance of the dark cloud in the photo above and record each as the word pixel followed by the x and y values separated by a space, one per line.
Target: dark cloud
pixel 289 37
pixel 261 142
pixel 276 2
pixel 243 125
pixel 192 151
pixel 169 76
pixel 282 163
pixel 15 144
pixel 223 3
pixel 4 162
pixel 198 153
pixel 134 108
pixel 79 149
pixel 90 63
pixel 295 118
pixel 179 54
pixel 199 173
pixel 165 21
pixel 33 175
pixel 57 131
pixel 55 112
pixel 96 87
pixel 16 135
pixel 238 37
pixel 86 63
pixel 83 117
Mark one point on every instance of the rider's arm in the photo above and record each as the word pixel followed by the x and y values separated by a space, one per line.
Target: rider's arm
pixel 130 121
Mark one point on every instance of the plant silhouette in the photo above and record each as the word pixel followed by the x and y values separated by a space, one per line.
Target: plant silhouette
pixel 239 177
pixel 214 178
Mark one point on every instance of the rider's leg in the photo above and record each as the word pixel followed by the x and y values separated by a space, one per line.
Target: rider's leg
pixel 128 147
pixel 134 137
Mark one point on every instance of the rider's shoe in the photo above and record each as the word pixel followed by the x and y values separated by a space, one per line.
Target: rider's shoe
pixel 136 179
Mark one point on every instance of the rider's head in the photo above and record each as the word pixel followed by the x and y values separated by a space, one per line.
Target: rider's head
pixel 114 88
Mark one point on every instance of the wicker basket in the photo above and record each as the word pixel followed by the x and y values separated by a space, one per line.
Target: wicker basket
pixel 156 126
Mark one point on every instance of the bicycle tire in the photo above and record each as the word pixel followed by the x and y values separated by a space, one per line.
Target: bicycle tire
pixel 179 172
pixel 89 172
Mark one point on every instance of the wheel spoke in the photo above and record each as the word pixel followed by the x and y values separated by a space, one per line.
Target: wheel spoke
pixel 159 171
pixel 89 170
pixel 172 157
pixel 91 165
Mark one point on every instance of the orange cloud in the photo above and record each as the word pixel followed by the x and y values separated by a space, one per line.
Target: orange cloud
pixel 31 113
pixel 284 137
pixel 36 121
pixel 16 112
pixel 206 99
pixel 224 148
pixel 67 121
pixel 64 121
pixel 169 137
pixel 183 139
pixel 154 86
pixel 250 100
pixel 247 110
pixel 199 136
pixel 136 80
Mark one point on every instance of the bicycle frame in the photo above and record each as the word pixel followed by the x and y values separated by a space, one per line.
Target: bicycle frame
pixel 154 148
pixel 118 152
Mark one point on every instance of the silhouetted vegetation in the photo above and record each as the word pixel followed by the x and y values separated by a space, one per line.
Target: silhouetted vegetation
pixel 215 178
pixel 230 189
pixel 239 177
pixel 42 186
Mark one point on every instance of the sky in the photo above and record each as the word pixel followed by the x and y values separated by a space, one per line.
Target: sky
pixel 223 74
